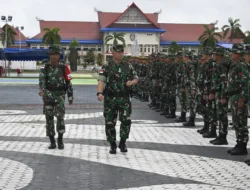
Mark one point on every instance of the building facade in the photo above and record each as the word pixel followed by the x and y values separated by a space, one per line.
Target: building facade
pixel 142 33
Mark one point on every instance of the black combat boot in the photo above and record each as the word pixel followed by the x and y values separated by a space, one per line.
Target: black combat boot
pixel 171 115
pixel 211 133
pixel 182 118
pixel 241 149
pixel 221 140
pixel 247 161
pixel 165 111
pixel 152 104
pixel 60 141
pixel 160 108
pixel 123 146
pixel 214 140
pixel 190 122
pixel 204 129
pixel 52 142
pixel 230 150
pixel 113 147
pixel 157 106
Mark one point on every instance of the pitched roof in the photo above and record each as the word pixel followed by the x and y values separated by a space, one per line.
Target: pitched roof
pixel 70 29
pixel 153 18
pixel 182 32
pixel 239 38
pixel 22 36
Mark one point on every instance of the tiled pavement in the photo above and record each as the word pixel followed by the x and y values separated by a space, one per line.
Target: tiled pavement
pixel 162 154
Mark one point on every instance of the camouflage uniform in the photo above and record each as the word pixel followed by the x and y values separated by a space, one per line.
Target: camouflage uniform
pixel 180 73
pixel 238 93
pixel 54 81
pixel 117 97
pixel 190 78
pixel 219 80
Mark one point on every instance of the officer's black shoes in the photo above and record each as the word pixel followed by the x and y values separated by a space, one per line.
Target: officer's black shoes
pixel 241 149
pixel 205 128
pixel 171 115
pixel 221 140
pixel 230 150
pixel 52 142
pixel 182 118
pixel 123 146
pixel 60 141
pixel 113 148
pixel 189 123
pixel 247 161
pixel 209 134
pixel 164 113
pixel 158 110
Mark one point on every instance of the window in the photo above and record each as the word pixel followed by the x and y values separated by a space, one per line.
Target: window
pixel 149 34
pixel 99 49
pixel 164 49
pixel 78 49
pixel 85 49
pixel 41 47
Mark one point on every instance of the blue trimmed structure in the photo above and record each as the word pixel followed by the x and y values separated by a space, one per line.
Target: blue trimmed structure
pixel 133 30
pixel 34 41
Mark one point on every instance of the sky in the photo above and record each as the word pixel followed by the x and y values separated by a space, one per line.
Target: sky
pixel 24 12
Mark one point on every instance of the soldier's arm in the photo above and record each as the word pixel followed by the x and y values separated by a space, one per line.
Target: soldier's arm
pixel 192 77
pixel 244 82
pixel 102 79
pixel 42 79
pixel 134 75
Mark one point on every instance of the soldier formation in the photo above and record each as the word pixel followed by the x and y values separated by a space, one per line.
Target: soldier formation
pixel 212 83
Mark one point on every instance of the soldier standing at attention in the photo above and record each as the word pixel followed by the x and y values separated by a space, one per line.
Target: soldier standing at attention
pixel 118 77
pixel 238 92
pixel 54 83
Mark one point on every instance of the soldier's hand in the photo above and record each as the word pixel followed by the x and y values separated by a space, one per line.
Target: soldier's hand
pixel 193 92
pixel 41 93
pixel 241 104
pixel 129 83
pixel 223 101
pixel 100 97
pixel 204 97
pixel 182 89
pixel 70 102
pixel 211 96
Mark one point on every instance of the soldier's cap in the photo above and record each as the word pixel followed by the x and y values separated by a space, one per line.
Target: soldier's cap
pixel 118 48
pixel 219 51
pixel 207 51
pixel 237 48
pixel 54 49
pixel 187 53
pixel 247 49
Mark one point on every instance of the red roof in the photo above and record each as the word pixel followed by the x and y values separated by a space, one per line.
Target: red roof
pixel 22 37
pixel 182 32
pixel 150 18
pixel 235 40
pixel 70 30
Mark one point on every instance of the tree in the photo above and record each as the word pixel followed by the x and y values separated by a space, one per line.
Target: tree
pixel 99 59
pixel 209 38
pixel 115 37
pixel 247 38
pixel 90 57
pixel 174 48
pixel 73 54
pixel 233 27
pixel 10 36
pixel 51 36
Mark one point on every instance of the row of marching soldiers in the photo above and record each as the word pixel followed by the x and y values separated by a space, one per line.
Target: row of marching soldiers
pixel 208 84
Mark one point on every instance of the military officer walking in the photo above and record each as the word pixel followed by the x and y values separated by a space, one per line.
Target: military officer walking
pixel 54 83
pixel 117 77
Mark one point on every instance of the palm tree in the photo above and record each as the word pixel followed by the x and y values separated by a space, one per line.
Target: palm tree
pixel 174 48
pixel 90 56
pixel 51 36
pixel 247 38
pixel 99 59
pixel 115 37
pixel 233 27
pixel 209 38
pixel 10 36
pixel 73 54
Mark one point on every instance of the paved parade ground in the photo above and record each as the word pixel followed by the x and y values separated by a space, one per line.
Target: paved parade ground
pixel 161 154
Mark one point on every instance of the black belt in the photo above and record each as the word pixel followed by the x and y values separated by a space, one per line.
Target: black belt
pixel 55 88
pixel 117 94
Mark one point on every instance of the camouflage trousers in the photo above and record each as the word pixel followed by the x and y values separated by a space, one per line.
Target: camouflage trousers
pixel 172 98
pixel 191 102
pixel 112 107
pixel 221 110
pixel 212 112
pixel 239 117
pixel 183 100
pixel 54 107
pixel 202 107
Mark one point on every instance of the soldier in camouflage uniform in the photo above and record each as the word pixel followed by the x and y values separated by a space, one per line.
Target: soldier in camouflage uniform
pixel 54 82
pixel 170 80
pixel 180 73
pixel 190 86
pixel 247 60
pixel 219 79
pixel 203 86
pixel 118 76
pixel 238 92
